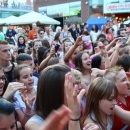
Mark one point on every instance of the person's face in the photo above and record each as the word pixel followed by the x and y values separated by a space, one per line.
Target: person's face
pixel 128 49
pixel 28 62
pixel 110 30
pixel 7 122
pixel 34 26
pixel 123 33
pixel 41 34
pixel 59 30
pixel 77 82
pixel 67 46
pixel 106 106
pixel 93 26
pixel 26 77
pixel 102 66
pixel 97 49
pixel 10 27
pixel 73 25
pixel 106 43
pixel 65 27
pixel 61 36
pixel 37 45
pixel 122 83
pixel 69 35
pixel 21 40
pixel 2 81
pixel 26 38
pixel 46 28
pixel 5 54
pixel 74 54
pixel 81 47
pixel 86 62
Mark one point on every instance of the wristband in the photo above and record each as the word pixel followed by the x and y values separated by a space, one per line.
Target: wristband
pixel 105 56
pixel 75 119
pixel 28 115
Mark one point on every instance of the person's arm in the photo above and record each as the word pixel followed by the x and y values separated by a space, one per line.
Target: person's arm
pixel 32 126
pixel 116 54
pixel 45 61
pixel 109 46
pixel 24 117
pixel 121 113
pixel 72 49
pixel 73 102
pixel 11 89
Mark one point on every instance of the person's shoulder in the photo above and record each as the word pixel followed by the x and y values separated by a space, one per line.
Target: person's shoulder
pixel 88 120
pixel 31 125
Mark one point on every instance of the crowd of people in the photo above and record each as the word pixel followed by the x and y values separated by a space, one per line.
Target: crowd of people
pixel 72 78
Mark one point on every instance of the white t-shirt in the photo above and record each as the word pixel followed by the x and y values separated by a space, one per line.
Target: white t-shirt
pixel 18 102
pixel 94 35
pixel 115 30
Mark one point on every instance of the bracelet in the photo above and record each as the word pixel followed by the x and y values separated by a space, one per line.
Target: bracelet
pixel 105 56
pixel 75 119
pixel 28 115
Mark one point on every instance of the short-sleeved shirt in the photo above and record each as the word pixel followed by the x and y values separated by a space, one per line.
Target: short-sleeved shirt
pixel 18 102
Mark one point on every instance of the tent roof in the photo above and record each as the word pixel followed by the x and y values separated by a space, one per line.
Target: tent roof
pixel 34 17
pixel 97 20
pixel 127 22
pixel 7 20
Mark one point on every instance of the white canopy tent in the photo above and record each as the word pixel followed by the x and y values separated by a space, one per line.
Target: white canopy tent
pixel 33 17
pixel 8 20
pixel 127 22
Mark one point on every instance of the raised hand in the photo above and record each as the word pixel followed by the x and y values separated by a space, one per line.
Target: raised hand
pixel 28 101
pixel 73 96
pixel 12 88
pixel 57 120
pixel 79 41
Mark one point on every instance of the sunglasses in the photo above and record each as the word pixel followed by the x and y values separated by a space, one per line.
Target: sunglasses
pixel 41 33
pixel 3 78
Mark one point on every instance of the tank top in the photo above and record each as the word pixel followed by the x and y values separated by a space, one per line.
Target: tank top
pixel 9 74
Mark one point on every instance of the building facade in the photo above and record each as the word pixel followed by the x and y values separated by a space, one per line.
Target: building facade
pixel 83 8
pixel 15 7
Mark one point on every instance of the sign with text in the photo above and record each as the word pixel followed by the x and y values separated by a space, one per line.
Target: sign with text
pixel 61 9
pixel 116 6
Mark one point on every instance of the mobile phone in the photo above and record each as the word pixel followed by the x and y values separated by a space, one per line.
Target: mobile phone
pixel 86 38
pixel 57 47
pixel 123 40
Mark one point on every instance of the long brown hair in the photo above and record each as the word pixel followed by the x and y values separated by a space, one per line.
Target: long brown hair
pixel 100 89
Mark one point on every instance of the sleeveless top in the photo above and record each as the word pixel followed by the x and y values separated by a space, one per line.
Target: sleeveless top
pixel 37 119
pixel 109 122
pixel 10 73
pixel 118 124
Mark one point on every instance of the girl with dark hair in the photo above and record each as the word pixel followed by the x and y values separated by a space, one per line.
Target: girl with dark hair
pixel 83 64
pixel 50 94
pixel 23 99
pixel 40 54
pixel 94 33
pixel 57 42
pixel 21 44
pixel 55 60
pixel 98 62
pixel 7 115
pixel 109 34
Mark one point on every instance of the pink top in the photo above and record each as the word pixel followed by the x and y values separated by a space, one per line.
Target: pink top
pixel 71 65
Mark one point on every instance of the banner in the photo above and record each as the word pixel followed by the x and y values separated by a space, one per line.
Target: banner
pixel 61 9
pixel 116 6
